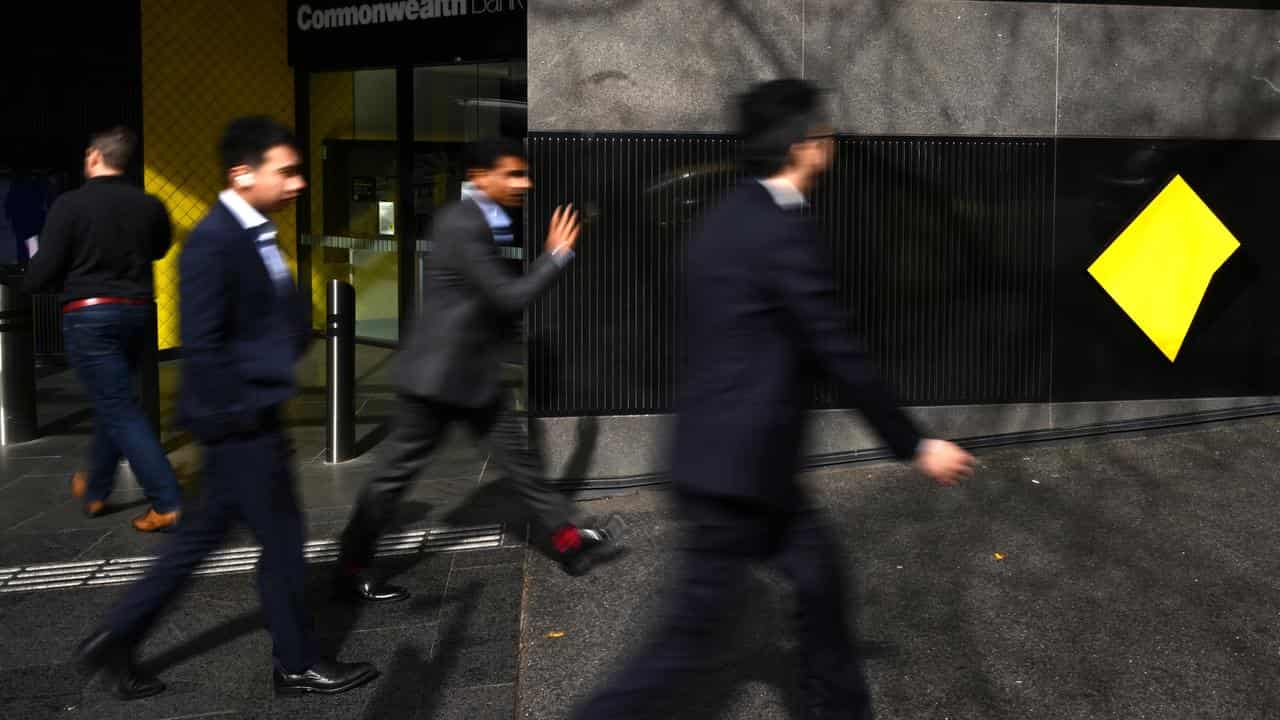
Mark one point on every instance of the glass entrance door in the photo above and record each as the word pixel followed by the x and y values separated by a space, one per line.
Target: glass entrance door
pixel 358 166
pixel 355 180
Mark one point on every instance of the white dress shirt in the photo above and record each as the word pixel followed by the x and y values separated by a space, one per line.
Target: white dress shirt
pixel 785 194
pixel 250 219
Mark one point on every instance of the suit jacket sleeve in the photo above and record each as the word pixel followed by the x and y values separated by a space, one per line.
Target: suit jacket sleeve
pixel 48 269
pixel 212 381
pixel 808 292
pixel 471 252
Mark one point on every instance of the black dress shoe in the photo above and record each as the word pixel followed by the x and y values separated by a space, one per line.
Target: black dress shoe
pixel 106 654
pixel 327 677
pixel 368 589
pixel 599 546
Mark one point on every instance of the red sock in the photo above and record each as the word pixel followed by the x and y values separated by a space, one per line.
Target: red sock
pixel 566 539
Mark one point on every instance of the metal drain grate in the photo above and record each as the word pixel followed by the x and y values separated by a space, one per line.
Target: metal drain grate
pixel 90 573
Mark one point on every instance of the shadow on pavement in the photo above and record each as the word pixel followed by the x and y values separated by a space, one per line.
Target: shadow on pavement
pixel 413 685
pixel 333 620
pixel 205 642
pixel 75 423
pixel 373 437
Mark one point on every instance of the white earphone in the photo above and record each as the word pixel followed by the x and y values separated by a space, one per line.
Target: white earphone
pixel 245 180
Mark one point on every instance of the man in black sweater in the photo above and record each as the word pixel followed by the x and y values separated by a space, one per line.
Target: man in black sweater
pixel 762 321
pixel 96 249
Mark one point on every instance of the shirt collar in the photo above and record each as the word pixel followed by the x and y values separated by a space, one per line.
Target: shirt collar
pixel 493 212
pixel 785 194
pixel 244 213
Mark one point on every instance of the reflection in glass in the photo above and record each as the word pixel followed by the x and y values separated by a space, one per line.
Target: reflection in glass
pixel 355 171
pixel 354 184
pixel 452 106
pixel 386 218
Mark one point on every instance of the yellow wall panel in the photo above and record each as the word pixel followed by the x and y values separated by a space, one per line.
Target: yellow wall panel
pixel 204 63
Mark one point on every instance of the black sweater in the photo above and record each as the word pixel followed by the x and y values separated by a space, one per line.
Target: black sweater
pixel 100 241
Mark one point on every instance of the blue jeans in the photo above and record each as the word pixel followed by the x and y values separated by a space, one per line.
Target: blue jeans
pixel 105 343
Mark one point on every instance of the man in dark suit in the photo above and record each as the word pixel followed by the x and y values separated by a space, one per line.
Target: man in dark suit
pixel 97 249
pixel 450 371
pixel 762 319
pixel 243 330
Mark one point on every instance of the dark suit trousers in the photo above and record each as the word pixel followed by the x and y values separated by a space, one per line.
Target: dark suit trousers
pixel 416 429
pixel 726 537
pixel 250 478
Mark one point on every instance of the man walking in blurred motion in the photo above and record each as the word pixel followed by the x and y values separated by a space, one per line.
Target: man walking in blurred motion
pixel 96 249
pixel 450 372
pixel 762 318
pixel 243 329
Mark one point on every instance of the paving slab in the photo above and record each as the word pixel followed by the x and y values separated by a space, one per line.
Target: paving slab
pixel 456 637
pixel 1128 576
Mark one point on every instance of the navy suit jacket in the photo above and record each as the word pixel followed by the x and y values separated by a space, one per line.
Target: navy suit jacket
pixel 763 324
pixel 241 334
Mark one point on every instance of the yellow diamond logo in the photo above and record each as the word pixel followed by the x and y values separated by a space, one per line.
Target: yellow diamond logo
pixel 1159 268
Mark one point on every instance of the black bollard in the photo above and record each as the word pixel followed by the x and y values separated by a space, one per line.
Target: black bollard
pixel 340 375
pixel 17 362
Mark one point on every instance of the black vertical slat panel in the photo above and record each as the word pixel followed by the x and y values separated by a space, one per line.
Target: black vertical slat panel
pixel 604 338
pixel 47 327
pixel 633 299
pixel 590 336
pixel 1043 284
pixel 582 285
pixel 940 248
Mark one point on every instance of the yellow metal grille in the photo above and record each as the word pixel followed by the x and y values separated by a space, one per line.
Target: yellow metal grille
pixel 204 63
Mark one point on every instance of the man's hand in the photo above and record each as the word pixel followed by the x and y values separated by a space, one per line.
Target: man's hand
pixel 945 462
pixel 564 230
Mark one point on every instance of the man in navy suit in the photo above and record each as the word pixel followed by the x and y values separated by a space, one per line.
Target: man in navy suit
pixel 762 322
pixel 243 330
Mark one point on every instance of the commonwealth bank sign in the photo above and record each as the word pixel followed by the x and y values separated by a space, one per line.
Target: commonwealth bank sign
pixel 309 18
pixel 328 35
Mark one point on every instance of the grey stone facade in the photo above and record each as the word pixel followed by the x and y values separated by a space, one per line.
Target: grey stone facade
pixel 910 67
pixel 635 447
pixel 900 67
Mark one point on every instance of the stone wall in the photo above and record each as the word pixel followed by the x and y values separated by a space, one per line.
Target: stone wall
pixel 910 67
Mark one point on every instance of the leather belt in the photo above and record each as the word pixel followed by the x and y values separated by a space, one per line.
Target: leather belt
pixel 90 302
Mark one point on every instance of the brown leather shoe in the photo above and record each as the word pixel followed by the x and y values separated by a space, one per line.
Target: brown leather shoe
pixel 94 508
pixel 153 521
pixel 79 484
